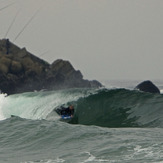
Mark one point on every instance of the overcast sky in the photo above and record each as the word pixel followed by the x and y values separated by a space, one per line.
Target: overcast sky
pixel 104 39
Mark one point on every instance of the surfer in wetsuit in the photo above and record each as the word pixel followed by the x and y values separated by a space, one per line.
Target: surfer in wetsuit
pixel 68 111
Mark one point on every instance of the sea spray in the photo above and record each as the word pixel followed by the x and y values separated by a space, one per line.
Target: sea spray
pixel 2 102
pixel 38 105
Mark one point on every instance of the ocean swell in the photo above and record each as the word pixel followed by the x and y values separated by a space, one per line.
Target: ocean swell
pixel 103 107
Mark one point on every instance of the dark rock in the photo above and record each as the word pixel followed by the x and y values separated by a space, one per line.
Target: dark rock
pixel 65 76
pixel 66 69
pixel 21 71
pixel 4 69
pixel 16 67
pixel 147 86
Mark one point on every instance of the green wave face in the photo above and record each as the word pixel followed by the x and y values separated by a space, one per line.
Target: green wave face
pixel 120 108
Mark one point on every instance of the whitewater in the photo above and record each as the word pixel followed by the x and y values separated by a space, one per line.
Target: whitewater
pixel 113 124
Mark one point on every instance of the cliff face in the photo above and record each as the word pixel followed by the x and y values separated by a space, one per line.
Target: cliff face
pixel 21 71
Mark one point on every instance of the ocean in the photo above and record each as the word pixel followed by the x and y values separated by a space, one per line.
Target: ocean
pixel 114 124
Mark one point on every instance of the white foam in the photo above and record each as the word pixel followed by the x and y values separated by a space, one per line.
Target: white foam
pixel 2 101
pixel 46 161
pixel 92 158
pixel 161 91
pixel 37 105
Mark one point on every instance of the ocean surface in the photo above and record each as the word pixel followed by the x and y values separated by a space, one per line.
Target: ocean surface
pixel 114 124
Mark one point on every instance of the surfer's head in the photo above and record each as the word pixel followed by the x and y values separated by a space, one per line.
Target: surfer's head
pixel 71 107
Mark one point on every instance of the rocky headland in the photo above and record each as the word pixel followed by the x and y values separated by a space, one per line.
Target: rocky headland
pixel 147 86
pixel 21 71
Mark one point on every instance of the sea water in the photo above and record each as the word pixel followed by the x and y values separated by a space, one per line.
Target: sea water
pixel 112 124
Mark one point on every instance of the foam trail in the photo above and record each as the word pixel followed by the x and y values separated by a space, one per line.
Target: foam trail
pixel 2 99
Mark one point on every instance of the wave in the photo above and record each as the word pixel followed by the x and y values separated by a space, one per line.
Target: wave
pixel 38 105
pixel 104 107
pixel 120 108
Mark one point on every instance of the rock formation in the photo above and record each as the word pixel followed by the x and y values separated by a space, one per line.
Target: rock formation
pixel 147 86
pixel 21 71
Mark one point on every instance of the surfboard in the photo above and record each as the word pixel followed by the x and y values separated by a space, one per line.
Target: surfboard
pixel 65 117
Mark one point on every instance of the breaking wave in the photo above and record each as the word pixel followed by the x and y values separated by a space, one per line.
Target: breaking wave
pixel 104 107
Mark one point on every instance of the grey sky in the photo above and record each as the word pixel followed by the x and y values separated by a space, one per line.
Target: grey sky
pixel 105 39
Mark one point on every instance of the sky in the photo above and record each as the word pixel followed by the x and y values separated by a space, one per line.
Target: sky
pixel 104 39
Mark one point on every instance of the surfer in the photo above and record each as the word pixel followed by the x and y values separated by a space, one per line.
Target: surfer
pixel 68 111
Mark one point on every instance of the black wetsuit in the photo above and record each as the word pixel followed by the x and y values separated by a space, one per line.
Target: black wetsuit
pixel 67 111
